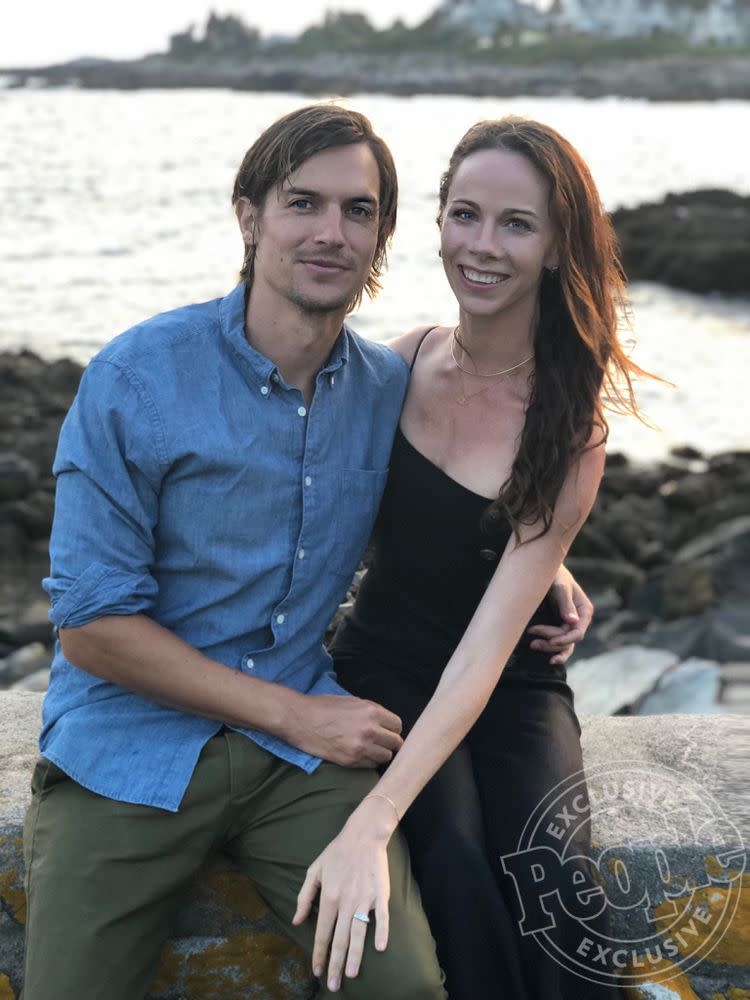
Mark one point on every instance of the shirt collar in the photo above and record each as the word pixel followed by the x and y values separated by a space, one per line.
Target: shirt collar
pixel 232 322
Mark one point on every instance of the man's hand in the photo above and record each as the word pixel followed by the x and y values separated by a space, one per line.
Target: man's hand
pixel 576 612
pixel 348 731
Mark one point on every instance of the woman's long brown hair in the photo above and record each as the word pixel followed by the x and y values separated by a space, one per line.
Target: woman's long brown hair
pixel 580 364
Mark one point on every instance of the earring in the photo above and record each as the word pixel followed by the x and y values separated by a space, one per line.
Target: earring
pixel 554 271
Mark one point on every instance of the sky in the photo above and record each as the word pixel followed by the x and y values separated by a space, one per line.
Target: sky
pixel 34 33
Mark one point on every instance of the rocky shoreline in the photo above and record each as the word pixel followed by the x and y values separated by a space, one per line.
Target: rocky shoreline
pixel 665 556
pixel 687 77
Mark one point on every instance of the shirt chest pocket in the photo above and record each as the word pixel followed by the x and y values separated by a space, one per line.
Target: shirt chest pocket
pixel 357 501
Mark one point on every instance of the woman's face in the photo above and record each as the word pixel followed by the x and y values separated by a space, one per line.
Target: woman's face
pixel 496 234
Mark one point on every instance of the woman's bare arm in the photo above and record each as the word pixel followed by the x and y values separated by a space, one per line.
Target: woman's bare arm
pixel 352 873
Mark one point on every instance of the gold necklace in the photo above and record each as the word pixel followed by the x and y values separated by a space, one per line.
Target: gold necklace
pixel 505 371
pixel 463 399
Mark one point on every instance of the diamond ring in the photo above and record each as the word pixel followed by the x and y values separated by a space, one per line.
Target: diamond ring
pixel 361 916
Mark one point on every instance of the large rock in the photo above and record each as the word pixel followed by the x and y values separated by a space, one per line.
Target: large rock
pixel 36 681
pixel 23 662
pixel 650 782
pixel 725 537
pixel 730 464
pixel 599 574
pixel 691 491
pixel 699 240
pixel 617 680
pixel 685 637
pixel 667 785
pixel 705 519
pixel 35 513
pixel 31 625
pixel 693 686
pixel 18 476
pixel 727 636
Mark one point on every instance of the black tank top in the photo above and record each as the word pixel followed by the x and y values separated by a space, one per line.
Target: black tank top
pixel 431 563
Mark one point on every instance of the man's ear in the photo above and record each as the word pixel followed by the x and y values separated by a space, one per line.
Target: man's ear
pixel 247 217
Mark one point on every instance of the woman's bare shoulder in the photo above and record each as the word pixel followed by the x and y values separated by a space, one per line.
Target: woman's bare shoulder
pixel 407 343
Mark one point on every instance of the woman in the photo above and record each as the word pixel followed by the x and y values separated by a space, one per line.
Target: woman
pixel 495 467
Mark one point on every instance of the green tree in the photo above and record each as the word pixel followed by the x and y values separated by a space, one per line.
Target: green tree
pixel 229 36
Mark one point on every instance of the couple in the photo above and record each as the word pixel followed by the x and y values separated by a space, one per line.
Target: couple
pixel 219 475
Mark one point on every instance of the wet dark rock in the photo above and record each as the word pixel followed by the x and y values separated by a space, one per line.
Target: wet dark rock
pixel 625 623
pixel 665 554
pixel 35 513
pixel 699 240
pixel 595 574
pixel 730 464
pixel 727 636
pixel 692 491
pixel 685 451
pixel 18 476
pixel 23 662
pixel 687 588
pixel 632 480
pixel 704 520
pixel 31 625
pixel 678 590
pixel 723 538
pixel 684 636
pixel 593 542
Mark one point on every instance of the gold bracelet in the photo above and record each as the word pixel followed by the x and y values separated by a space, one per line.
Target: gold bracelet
pixel 379 795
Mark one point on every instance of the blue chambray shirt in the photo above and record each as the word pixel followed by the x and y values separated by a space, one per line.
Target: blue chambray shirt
pixel 195 486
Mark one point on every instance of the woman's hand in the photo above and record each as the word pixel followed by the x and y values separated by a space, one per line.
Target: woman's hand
pixel 576 612
pixel 352 877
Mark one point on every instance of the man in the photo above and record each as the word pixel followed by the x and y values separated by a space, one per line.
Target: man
pixel 218 477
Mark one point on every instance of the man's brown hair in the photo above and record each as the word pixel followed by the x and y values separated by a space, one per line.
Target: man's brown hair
pixel 284 146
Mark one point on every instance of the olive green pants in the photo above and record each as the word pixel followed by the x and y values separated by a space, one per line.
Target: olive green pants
pixel 104 879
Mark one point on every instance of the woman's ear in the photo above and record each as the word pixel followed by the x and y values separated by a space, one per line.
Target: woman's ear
pixel 552 260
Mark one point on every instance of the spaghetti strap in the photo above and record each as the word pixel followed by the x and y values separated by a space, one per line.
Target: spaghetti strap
pixel 421 341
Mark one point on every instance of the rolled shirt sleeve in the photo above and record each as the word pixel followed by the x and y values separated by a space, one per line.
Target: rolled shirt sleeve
pixel 109 466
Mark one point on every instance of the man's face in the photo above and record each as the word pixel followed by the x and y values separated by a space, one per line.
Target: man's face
pixel 315 237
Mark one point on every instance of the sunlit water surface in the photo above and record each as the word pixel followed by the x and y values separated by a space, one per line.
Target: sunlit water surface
pixel 115 206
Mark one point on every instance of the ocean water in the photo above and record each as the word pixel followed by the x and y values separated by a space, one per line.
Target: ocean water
pixel 115 206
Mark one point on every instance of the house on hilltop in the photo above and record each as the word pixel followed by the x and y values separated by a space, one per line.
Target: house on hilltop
pixel 483 17
pixel 724 22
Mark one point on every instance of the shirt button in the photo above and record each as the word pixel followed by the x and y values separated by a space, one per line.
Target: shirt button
pixel 301 554
pixel 308 481
pixel 250 663
pixel 302 411
pixel 280 619
pixel 264 390
pixel 274 377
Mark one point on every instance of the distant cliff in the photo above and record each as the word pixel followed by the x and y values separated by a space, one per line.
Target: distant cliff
pixel 686 77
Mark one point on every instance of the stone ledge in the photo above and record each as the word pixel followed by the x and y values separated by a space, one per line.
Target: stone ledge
pixel 227 945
